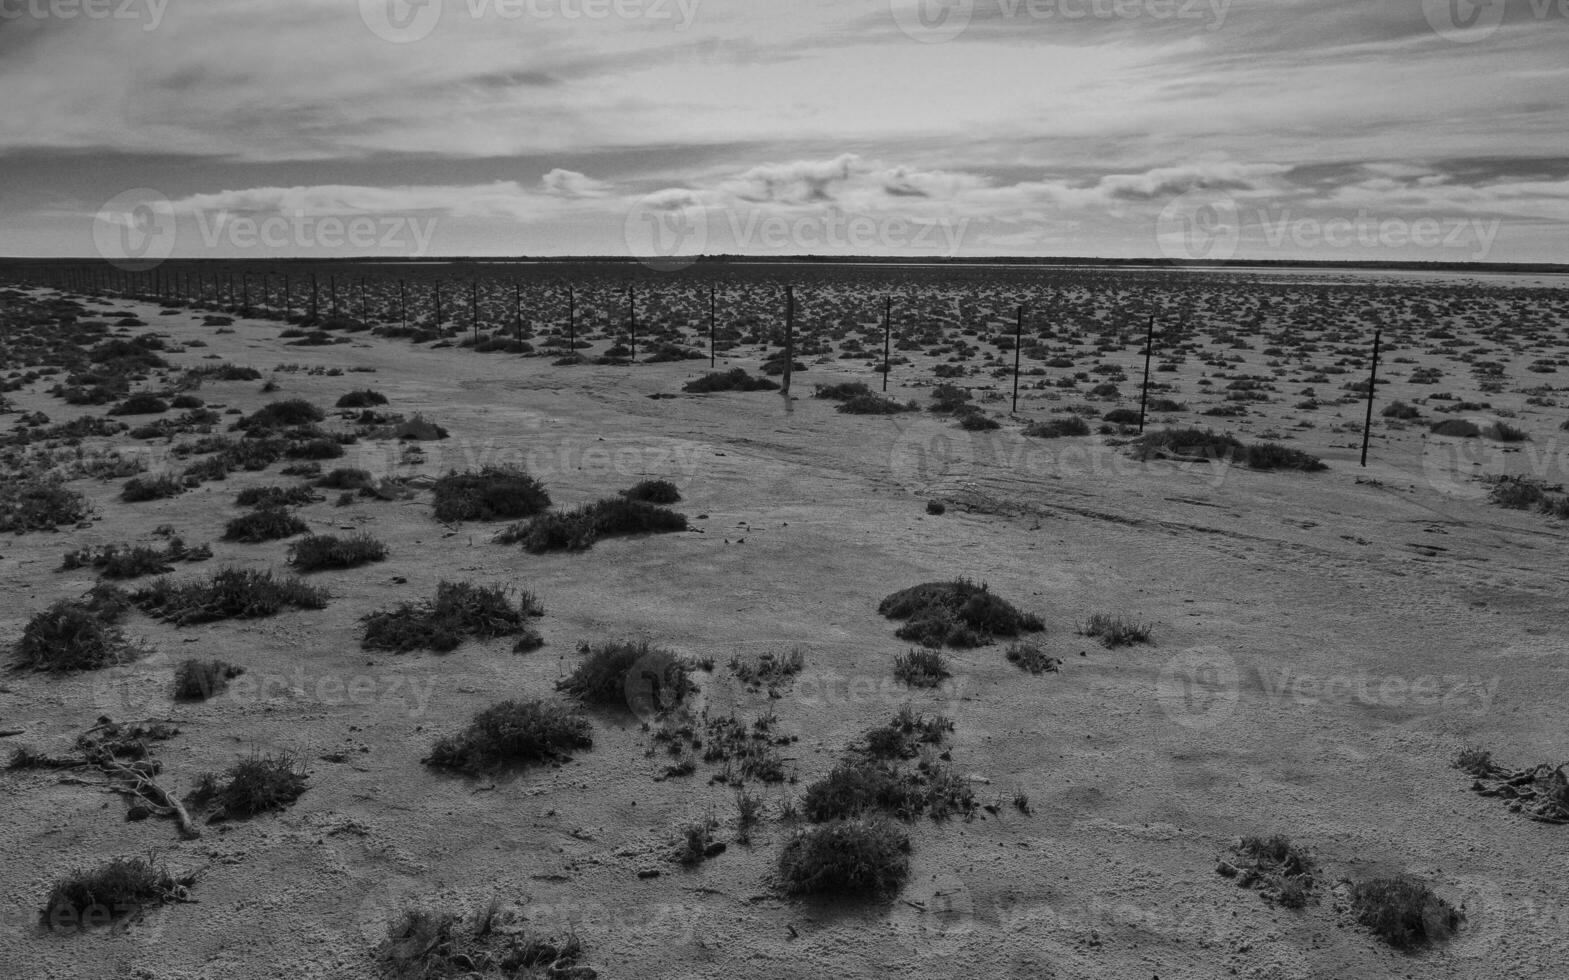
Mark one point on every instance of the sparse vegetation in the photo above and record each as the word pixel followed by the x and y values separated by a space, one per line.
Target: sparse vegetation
pixel 230 593
pixel 197 680
pixel 1114 631
pixel 513 733
pixel 141 488
pixel 112 891
pixel 252 786
pixel 921 668
pixel 323 551
pixel 856 857
pixel 654 492
pixel 460 610
pixel 578 529
pixel 1403 912
pixel 605 676
pixel 735 379
pixel 427 945
pixel 1280 872
pixel 957 613
pixel 74 635
pixel 35 502
pixel 264 524
pixel 494 493
pixel 1030 657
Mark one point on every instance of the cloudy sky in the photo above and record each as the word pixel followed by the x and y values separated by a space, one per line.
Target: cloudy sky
pixel 1278 129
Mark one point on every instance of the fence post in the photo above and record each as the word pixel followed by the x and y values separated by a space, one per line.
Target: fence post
pixel 789 358
pixel 1372 383
pixel 887 337
pixel 1144 389
pixel 1018 344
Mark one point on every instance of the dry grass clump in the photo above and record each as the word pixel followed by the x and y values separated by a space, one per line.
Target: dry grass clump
pixel 361 398
pixel 230 593
pixel 511 734
pixel 114 890
pixel 74 635
pixel 1114 631
pixel 439 945
pixel 492 494
pixel 1030 657
pixel 735 379
pixel 921 668
pixel 281 415
pixel 119 561
pixel 36 502
pixel 1057 428
pixel 459 610
pixel 273 497
pixel 1204 444
pixel 197 680
pixel 250 787
pixel 577 530
pixel 852 857
pixel 1403 912
pixel 315 552
pixel 653 492
pixel 142 488
pixel 1280 871
pixel 958 613
pixel 616 673
pixel 265 524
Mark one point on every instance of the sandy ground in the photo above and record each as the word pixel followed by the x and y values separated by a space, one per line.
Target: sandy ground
pixel 1324 643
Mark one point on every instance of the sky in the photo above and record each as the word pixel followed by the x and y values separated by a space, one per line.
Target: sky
pixel 1329 130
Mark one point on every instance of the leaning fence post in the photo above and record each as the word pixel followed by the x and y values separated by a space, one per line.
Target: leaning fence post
pixel 1018 344
pixel 1144 389
pixel 1372 382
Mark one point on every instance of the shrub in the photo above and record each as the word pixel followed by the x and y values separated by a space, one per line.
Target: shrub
pixel 266 524
pixel 318 551
pixel 230 593
pixel 123 561
pixel 142 403
pixel 1114 631
pixel 1403 912
pixel 1279 870
pixel 362 398
pixel 281 415
pixel 494 493
pixel 1517 494
pixel 921 668
pixel 140 488
pixel 1504 432
pixel 1459 428
pixel 735 379
pixel 1400 410
pixel 870 404
pixel 39 503
pixel 459 610
pixel 513 733
pixel 1030 657
pixel 1122 416
pixel 197 680
pixel 976 421
pixel 113 890
pixel 936 508
pixel 275 497
pixel 578 529
pixel 605 676
pixel 949 398
pixel 74 635
pixel 844 391
pixel 654 492
pixel 250 787
pixel 846 857
pixel 423 945
pixel 1056 428
pixel 957 613
pixel 347 478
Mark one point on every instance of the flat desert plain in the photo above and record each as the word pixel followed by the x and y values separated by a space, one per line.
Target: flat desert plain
pixel 1321 646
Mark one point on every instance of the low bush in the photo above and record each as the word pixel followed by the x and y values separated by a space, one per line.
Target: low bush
pixel 958 613
pixel 617 673
pixel 513 733
pixel 250 787
pixel 39 503
pixel 265 524
pixel 653 492
pixel 142 403
pixel 1114 631
pixel 74 635
pixel 921 668
pixel 274 497
pixel 492 494
pixel 361 398
pixel 1056 428
pixel 322 551
pixel 860 857
pixel 142 488
pixel 460 610
pixel 197 680
pixel 735 379
pixel 230 593
pixel 576 530
pixel 118 888
pixel 1404 912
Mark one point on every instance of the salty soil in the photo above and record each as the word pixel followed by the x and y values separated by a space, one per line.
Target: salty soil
pixel 1322 645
